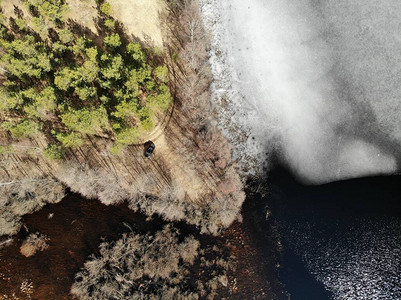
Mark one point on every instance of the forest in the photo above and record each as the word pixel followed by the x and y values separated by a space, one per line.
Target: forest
pixel 68 83
pixel 78 102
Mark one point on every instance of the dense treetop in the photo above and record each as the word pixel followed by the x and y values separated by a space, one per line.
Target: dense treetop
pixel 60 78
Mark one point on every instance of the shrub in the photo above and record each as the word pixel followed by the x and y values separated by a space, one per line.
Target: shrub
pixel 110 24
pixel 153 266
pixel 105 8
pixel 53 151
pixel 72 140
pixel 128 136
pixel 9 223
pixel 6 149
pixel 125 264
pixel 52 9
pixel 33 243
pixel 113 41
pixel 63 79
pixel 161 73
pixel 44 103
pixel 23 197
pixel 92 182
pixel 20 23
pixel 86 121
pixel 24 129
pixel 65 36
pixel 7 101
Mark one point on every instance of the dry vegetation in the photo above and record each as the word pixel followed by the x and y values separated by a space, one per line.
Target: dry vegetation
pixel 20 197
pixel 190 177
pixel 158 266
pixel 33 243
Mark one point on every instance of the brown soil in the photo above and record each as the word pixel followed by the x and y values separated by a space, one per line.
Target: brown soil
pixel 77 228
pixel 75 231
pixel 83 12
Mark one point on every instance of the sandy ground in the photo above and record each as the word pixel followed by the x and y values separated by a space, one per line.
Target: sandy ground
pixel 315 82
pixel 140 18
pixel 8 8
pixel 83 11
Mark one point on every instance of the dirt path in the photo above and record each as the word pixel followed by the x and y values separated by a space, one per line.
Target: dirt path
pixel 159 129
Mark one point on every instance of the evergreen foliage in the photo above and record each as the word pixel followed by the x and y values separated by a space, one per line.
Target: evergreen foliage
pixel 110 24
pixel 51 9
pixel 72 140
pixel 23 129
pixel 105 8
pixel 161 73
pixel 86 121
pixel 113 40
pixel 86 85
pixel 53 152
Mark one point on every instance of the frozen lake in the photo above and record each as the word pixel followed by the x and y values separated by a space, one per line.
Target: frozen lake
pixel 315 82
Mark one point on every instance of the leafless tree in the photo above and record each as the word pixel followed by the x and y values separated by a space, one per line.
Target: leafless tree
pixel 152 266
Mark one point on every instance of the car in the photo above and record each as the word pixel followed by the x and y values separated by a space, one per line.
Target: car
pixel 149 148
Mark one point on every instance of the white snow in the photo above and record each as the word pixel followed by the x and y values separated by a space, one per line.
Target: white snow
pixel 316 81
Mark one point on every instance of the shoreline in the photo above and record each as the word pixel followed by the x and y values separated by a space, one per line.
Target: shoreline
pixel 204 182
pixel 74 236
pixel 232 110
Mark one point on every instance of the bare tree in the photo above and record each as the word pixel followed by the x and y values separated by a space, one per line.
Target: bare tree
pixel 153 266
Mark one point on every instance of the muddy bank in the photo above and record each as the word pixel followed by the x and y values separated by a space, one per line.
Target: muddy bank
pixel 263 241
pixel 78 225
pixel 75 231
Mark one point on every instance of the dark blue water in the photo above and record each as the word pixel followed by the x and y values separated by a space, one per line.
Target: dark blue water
pixel 341 240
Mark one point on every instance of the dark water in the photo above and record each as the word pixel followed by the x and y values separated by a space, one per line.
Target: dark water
pixel 341 240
